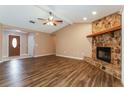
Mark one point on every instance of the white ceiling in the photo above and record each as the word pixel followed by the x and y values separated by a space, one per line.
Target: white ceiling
pixel 20 15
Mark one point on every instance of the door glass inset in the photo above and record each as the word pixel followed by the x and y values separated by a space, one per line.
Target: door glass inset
pixel 14 42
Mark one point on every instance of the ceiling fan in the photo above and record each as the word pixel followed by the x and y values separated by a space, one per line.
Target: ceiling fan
pixel 50 20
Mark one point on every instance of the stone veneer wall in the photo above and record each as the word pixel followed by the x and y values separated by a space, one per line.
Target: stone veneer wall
pixel 108 22
pixel 112 40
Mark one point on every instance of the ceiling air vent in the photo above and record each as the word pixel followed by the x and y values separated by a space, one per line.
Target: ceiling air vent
pixel 31 21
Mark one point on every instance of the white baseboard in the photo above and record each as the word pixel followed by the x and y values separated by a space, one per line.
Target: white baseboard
pixel 1 61
pixel 122 81
pixel 23 54
pixel 4 57
pixel 16 57
pixel 78 58
pixel 20 55
pixel 43 55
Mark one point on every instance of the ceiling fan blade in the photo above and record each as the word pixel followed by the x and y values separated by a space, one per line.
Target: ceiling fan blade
pixel 58 20
pixel 54 24
pixel 41 19
pixel 44 23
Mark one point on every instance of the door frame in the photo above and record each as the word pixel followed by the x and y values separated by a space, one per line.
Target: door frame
pixel 8 43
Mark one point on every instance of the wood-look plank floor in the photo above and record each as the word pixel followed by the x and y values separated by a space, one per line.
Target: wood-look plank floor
pixel 52 71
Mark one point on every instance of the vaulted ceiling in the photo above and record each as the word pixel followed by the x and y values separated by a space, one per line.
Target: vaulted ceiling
pixel 19 15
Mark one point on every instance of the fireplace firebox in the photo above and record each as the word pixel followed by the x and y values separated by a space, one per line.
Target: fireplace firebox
pixel 104 53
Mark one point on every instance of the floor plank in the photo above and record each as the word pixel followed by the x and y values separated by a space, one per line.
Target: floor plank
pixel 53 71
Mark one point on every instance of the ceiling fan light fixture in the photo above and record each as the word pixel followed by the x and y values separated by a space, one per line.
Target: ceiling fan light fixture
pixel 51 18
pixel 50 23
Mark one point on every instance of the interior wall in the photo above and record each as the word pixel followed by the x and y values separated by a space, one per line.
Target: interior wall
pixel 23 43
pixel 54 43
pixel 123 47
pixel 43 44
pixel 0 42
pixel 71 41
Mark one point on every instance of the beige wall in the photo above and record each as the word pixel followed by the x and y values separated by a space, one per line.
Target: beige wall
pixel 71 41
pixel 23 43
pixel 54 43
pixel 0 42
pixel 43 44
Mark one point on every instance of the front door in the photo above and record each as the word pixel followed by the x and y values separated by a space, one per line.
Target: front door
pixel 14 45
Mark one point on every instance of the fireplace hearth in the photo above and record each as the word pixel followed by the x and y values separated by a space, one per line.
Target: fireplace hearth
pixel 104 53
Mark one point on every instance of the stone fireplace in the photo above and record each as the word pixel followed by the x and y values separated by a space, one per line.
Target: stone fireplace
pixel 109 46
pixel 106 45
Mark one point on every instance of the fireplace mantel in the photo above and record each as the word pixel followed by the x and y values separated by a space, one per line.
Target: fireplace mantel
pixel 118 28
